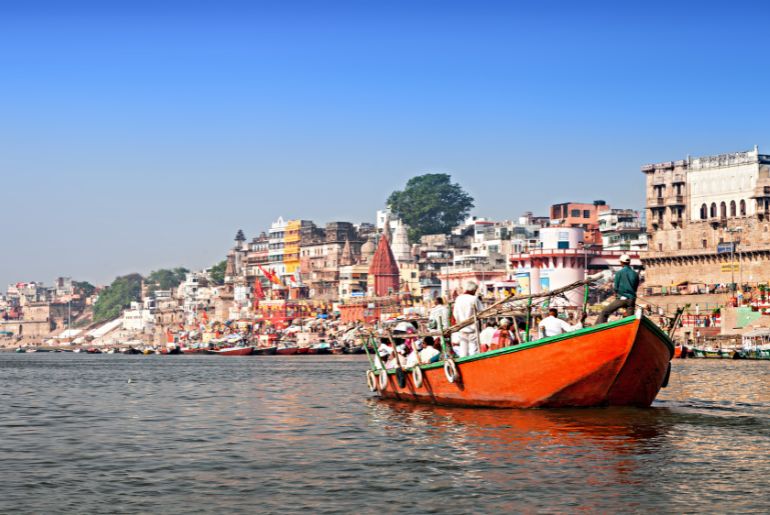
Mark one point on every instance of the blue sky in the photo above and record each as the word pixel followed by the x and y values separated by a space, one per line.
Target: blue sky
pixel 135 137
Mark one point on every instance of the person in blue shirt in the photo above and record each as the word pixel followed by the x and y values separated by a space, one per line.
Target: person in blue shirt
pixel 625 286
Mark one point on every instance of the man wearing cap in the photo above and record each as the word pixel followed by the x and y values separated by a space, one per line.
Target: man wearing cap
pixel 466 306
pixel 625 286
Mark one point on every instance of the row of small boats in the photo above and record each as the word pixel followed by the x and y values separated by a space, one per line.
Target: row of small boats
pixel 279 349
pixel 234 350
pixel 720 353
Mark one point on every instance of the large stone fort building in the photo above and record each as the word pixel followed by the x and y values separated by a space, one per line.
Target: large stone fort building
pixel 697 209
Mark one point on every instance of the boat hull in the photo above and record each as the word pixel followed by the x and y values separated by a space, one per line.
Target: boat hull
pixel 712 353
pixel 235 351
pixel 622 363
pixel 265 351
pixel 287 351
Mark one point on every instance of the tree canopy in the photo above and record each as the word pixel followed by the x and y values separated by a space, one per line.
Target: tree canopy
pixel 117 296
pixel 165 279
pixel 218 272
pixel 430 204
pixel 84 288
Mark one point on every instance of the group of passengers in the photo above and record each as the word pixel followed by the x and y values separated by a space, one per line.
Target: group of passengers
pixel 405 349
pixel 495 335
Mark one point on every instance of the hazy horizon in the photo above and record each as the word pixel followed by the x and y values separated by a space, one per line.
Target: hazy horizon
pixel 135 137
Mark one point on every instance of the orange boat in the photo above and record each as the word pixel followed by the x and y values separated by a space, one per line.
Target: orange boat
pixel 620 363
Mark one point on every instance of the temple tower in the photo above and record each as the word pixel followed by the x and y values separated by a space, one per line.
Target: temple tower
pixel 383 270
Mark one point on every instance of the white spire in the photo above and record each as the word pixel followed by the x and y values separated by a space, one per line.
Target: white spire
pixel 400 246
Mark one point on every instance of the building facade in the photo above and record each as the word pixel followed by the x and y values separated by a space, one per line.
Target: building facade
pixel 707 220
pixel 622 229
pixel 581 215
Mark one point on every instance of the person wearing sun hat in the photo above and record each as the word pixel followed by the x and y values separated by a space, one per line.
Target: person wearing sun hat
pixel 625 286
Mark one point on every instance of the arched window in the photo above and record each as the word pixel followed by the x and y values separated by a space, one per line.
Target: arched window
pixel 732 208
pixel 704 212
pixel 743 208
pixel 713 211
pixel 722 210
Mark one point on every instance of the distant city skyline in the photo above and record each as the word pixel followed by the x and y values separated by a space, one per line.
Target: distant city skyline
pixel 135 137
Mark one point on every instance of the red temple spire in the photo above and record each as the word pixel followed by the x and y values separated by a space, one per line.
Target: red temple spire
pixel 384 269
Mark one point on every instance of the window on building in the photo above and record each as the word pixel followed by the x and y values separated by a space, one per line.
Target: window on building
pixel 732 208
pixel 722 210
pixel 743 208
pixel 575 213
pixel 586 213
pixel 660 247
pixel 705 243
pixel 679 245
pixel 713 210
pixel 704 212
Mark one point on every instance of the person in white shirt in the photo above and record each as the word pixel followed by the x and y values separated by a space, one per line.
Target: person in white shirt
pixel 552 325
pixel 487 335
pixel 466 306
pixel 429 352
pixel 439 315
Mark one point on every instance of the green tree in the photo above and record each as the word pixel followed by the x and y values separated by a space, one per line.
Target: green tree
pixel 84 288
pixel 430 204
pixel 117 296
pixel 218 272
pixel 165 279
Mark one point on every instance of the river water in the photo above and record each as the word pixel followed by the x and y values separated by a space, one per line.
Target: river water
pixel 211 434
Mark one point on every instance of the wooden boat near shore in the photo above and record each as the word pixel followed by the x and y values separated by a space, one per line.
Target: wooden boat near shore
pixel 234 351
pixel 265 351
pixel 620 363
pixel 287 350
pixel 712 353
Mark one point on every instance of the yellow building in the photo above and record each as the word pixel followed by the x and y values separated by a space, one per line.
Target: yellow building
pixel 410 278
pixel 291 241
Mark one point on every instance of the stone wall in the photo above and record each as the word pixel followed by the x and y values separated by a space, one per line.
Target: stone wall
pixel 710 269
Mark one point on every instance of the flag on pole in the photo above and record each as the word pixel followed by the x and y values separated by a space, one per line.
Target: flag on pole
pixel 272 277
pixel 259 293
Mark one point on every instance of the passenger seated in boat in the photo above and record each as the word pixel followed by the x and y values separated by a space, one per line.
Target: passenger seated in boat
pixel 486 336
pixel 552 325
pixel 424 349
pixel 429 352
pixel 503 337
pixel 384 355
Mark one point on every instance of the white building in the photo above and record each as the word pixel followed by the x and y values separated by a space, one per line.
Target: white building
pixel 724 185
pixel 195 293
pixel 138 318
pixel 622 229
pixel 275 251
pixel 560 260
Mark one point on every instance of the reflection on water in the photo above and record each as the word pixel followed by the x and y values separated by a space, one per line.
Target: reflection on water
pixel 288 434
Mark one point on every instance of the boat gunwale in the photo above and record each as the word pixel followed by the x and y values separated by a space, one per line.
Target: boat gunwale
pixel 553 339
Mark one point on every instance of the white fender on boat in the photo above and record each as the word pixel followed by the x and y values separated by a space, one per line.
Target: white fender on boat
pixel 417 376
pixel 371 380
pixel 383 379
pixel 450 370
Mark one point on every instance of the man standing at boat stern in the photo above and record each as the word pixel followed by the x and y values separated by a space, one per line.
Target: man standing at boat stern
pixel 466 307
pixel 625 286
